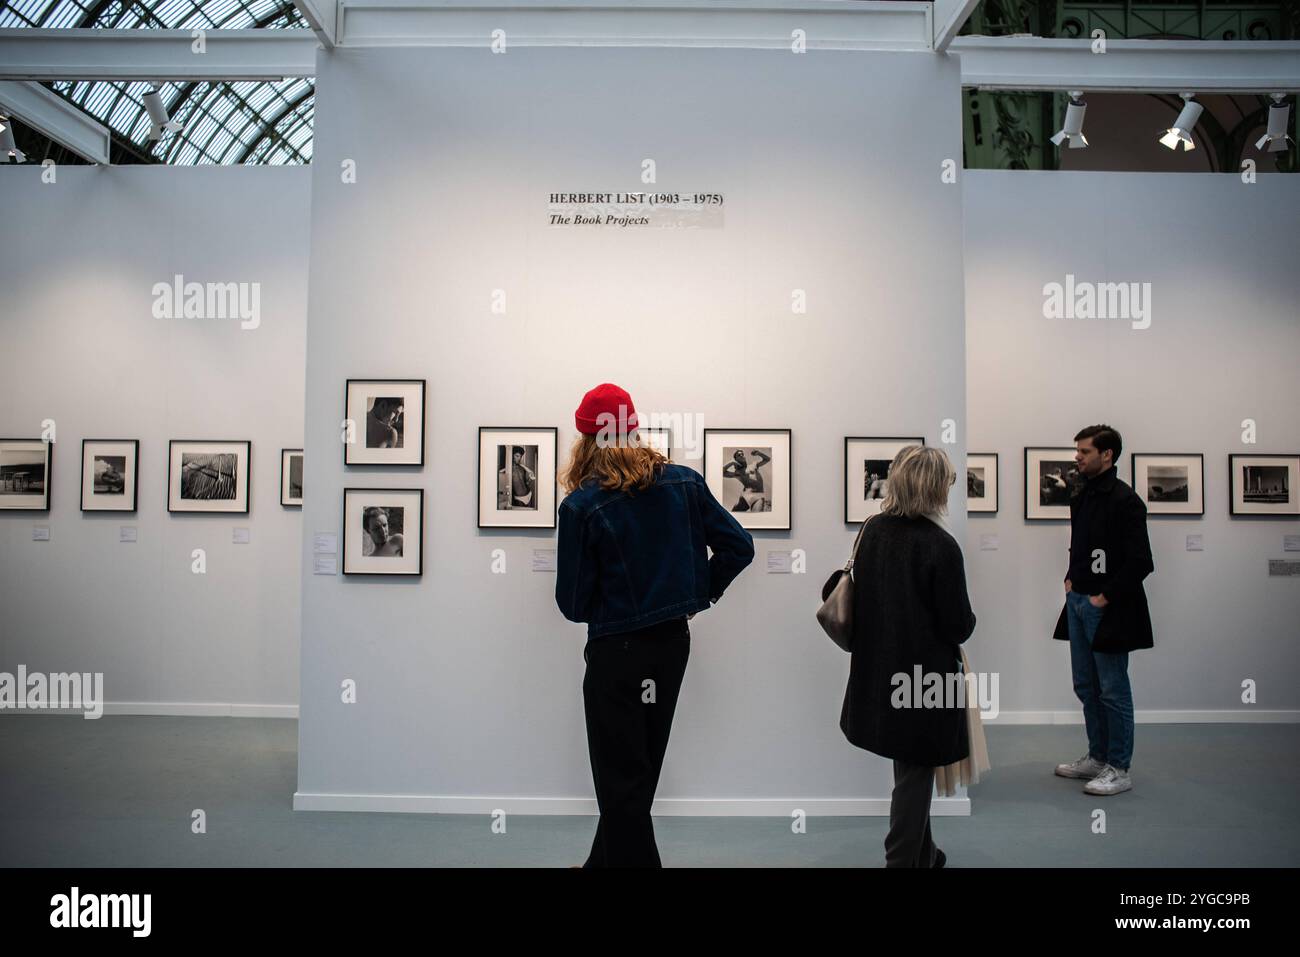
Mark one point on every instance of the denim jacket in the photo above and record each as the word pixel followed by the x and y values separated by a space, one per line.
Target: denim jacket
pixel 631 560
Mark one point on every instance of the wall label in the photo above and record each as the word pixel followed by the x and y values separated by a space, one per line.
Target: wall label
pixel 635 210
pixel 779 563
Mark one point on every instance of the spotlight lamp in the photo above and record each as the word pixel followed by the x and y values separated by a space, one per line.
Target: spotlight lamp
pixel 1181 131
pixel 1276 136
pixel 1073 128
pixel 158 114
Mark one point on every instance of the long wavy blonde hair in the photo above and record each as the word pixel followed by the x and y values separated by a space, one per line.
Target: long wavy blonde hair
pixel 626 466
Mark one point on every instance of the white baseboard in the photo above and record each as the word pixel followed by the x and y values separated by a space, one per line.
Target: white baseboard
pixel 184 709
pixel 228 710
pixel 665 807
pixel 1236 716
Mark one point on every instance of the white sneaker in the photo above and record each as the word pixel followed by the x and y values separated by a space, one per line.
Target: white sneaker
pixel 1110 781
pixel 1086 768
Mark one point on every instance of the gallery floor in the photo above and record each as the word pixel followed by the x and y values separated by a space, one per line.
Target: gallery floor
pixel 120 791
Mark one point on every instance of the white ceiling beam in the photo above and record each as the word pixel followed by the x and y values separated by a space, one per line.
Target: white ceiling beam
pixel 163 55
pixel 54 117
pixel 1137 66
pixel 751 24
pixel 949 17
pixel 323 17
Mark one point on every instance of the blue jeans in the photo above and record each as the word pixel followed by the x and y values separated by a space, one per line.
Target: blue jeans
pixel 1101 683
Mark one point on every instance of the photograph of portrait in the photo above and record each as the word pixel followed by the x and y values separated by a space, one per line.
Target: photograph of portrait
pixel 291 478
pixel 747 478
pixel 748 471
pixel 866 472
pixel 383 531
pixel 1170 484
pixel 517 477
pixel 1264 485
pixel 981 482
pixel 110 476
pixel 385 422
pixel 25 474
pixel 1051 479
pixel 208 476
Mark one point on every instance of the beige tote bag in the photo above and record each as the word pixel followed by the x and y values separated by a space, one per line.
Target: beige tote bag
pixel 967 771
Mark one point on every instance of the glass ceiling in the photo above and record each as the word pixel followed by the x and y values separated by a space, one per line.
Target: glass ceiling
pixel 248 122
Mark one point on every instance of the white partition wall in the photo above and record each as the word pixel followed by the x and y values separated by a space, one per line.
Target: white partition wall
pixel 830 165
pixel 1221 347
pixel 80 344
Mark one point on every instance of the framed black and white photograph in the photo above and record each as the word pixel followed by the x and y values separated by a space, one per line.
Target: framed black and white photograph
pixel 208 476
pixel 291 478
pixel 748 471
pixel 1051 477
pixel 1264 485
pixel 866 472
pixel 516 477
pixel 26 466
pixel 386 419
pixel 110 474
pixel 1170 483
pixel 981 482
pixel 383 531
pixel 661 439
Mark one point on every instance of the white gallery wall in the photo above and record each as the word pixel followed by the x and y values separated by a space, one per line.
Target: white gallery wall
pixel 1223 346
pixel 81 346
pixel 468 683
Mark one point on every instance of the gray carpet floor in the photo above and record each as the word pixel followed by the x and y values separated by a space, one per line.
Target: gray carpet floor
pixel 119 792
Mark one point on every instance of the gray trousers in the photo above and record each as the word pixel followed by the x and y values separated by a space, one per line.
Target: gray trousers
pixel 908 843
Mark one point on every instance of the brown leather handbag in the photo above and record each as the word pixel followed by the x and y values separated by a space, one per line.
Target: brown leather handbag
pixel 836 612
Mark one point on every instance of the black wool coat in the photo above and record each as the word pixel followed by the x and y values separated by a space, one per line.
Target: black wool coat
pixel 1118 526
pixel 910 608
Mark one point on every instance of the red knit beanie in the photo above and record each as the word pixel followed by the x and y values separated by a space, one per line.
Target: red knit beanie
pixel 605 406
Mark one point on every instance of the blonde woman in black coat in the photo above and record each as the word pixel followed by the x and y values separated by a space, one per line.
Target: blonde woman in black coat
pixel 910 610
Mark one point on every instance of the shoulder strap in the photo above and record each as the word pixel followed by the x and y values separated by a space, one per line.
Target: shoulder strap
pixel 848 567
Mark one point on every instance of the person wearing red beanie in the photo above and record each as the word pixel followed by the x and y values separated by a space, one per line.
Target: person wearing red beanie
pixel 606 411
pixel 633 563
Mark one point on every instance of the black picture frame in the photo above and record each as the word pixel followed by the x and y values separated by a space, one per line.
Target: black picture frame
pixel 997 482
pixel 1067 451
pixel 1133 473
pixel 135 470
pixel 1233 511
pixel 844 461
pixel 284 456
pixel 47 498
pixel 789 438
pixel 419 495
pixel 248 477
pixel 554 433
pixel 424 408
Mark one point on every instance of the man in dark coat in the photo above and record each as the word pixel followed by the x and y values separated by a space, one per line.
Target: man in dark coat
pixel 1105 614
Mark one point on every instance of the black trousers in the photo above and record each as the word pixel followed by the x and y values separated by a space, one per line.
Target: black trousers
pixel 628 723
pixel 908 843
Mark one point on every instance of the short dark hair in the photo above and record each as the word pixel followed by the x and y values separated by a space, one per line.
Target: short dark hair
pixel 517 450
pixel 1103 438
